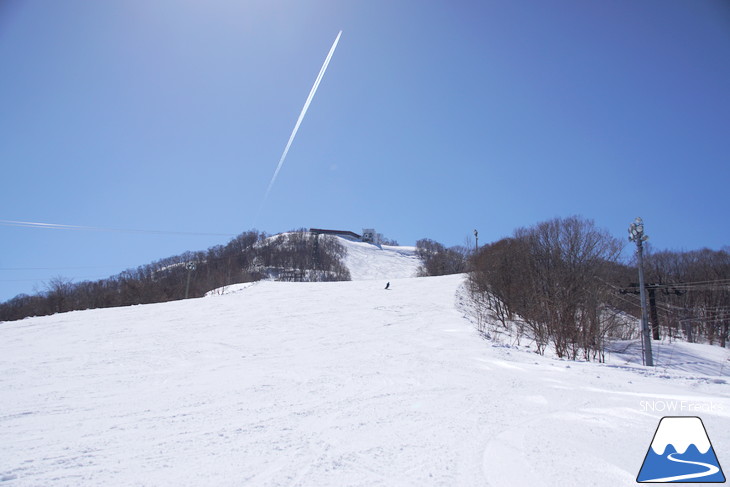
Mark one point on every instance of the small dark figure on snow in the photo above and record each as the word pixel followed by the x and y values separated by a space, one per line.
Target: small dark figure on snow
pixel 387 286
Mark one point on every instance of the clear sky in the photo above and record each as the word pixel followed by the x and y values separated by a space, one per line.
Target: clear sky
pixel 433 118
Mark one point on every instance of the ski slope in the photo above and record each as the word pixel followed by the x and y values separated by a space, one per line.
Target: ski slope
pixel 325 384
pixel 367 261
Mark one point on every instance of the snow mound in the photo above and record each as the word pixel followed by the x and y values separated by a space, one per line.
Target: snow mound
pixel 230 289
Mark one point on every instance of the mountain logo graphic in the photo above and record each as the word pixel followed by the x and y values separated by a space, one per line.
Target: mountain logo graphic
pixel 681 452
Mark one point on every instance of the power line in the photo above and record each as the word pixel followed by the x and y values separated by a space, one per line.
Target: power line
pixel 43 279
pixel 702 282
pixel 133 268
pixel 56 268
pixel 688 285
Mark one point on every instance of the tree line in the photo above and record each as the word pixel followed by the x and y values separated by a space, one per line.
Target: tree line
pixel 559 283
pixel 250 256
pixel 437 260
pixel 689 294
pixel 563 283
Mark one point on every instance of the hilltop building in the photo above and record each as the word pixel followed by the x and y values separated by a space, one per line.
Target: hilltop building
pixel 368 234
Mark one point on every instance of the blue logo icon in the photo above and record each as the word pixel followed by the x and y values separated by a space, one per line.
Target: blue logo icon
pixel 681 452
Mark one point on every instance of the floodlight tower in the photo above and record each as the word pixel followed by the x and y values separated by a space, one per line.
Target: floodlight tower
pixel 636 234
pixel 476 236
pixel 190 266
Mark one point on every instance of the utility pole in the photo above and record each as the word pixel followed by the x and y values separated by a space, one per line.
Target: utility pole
pixel 636 234
pixel 651 288
pixel 315 251
pixel 190 267
pixel 653 312
pixel 688 327
pixel 476 236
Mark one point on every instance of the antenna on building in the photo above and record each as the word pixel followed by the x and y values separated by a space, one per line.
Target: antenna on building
pixel 369 235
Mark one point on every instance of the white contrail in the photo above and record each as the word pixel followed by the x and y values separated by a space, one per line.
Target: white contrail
pixel 61 226
pixel 301 116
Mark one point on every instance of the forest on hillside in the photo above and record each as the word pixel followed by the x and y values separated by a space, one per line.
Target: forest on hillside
pixel 251 256
pixel 561 283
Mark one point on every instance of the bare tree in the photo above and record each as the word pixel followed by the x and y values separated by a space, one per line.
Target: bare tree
pixel 692 294
pixel 549 276
pixel 437 260
pixel 59 294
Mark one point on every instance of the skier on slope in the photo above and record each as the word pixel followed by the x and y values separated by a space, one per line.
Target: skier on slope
pixel 387 285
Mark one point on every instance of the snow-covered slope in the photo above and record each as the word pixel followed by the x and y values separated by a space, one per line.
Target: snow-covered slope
pixel 321 384
pixel 384 262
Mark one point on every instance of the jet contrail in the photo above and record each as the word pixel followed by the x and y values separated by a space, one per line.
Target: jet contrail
pixel 60 226
pixel 301 116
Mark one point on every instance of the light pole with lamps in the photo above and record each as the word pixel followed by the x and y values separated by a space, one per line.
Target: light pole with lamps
pixel 190 266
pixel 636 234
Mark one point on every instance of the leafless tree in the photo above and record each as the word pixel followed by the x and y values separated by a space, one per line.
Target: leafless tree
pixel 437 260
pixel 549 275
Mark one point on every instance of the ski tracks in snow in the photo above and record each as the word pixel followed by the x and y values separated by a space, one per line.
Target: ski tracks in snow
pixel 299 384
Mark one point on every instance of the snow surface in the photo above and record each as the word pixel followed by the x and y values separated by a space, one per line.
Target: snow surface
pixel 326 384
pixel 230 289
pixel 367 261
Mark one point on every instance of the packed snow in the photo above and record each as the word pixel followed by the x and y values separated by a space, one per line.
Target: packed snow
pixel 330 384
pixel 367 261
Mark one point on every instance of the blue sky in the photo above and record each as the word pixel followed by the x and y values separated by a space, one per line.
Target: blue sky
pixel 434 118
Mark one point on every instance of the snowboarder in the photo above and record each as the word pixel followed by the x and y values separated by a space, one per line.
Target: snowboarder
pixel 387 285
